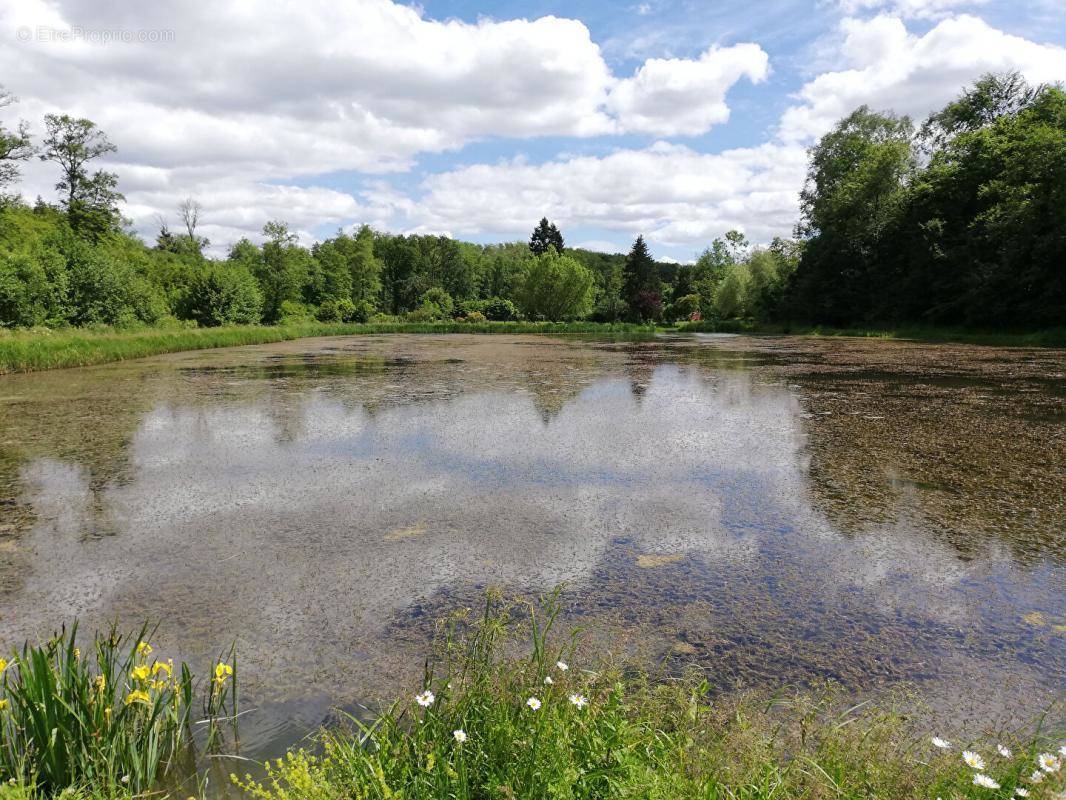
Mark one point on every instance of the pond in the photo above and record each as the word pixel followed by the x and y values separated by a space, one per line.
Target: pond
pixel 772 509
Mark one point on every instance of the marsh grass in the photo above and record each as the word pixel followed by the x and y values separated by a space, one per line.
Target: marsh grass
pixel 31 350
pixel 111 721
pixel 486 723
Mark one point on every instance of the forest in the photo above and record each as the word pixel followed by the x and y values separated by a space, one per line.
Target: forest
pixel 957 220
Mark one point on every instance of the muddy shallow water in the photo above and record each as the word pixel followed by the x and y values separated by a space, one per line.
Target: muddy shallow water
pixel 773 509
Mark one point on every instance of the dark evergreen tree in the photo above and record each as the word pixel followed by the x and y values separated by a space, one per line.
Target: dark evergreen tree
pixel 643 284
pixel 545 235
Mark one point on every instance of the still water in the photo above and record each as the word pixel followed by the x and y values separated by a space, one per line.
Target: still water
pixel 772 509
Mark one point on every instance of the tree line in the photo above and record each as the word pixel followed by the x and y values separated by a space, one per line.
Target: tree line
pixel 960 220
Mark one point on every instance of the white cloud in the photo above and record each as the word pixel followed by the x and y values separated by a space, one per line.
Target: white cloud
pixel 671 193
pixel 681 96
pixel 890 68
pixel 240 96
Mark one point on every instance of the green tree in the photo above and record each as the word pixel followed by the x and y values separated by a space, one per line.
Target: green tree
pixel 643 285
pixel 283 269
pixel 555 287
pixel 223 294
pixel 545 236
pixel 90 200
pixel 15 147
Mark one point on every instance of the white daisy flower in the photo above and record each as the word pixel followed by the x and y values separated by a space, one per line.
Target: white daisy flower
pixel 1003 751
pixel 943 744
pixel 425 699
pixel 533 703
pixel 1036 777
pixel 1021 791
pixel 548 680
pixel 973 760
pixel 1048 762
pixel 562 665
pixel 125 778
pixel 980 779
pixel 579 700
pixel 1062 750
pixel 459 735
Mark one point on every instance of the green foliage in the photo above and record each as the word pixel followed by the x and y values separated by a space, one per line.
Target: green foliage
pixel 111 720
pixel 544 237
pixel 222 294
pixel 642 289
pixel 15 146
pixel 282 268
pixel 973 236
pixel 555 287
pixel 437 302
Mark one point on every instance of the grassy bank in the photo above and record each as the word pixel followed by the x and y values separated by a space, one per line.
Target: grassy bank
pixel 505 710
pixel 26 351
pixel 1051 337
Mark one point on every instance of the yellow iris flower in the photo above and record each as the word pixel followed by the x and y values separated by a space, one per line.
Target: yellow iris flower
pixel 144 649
pixel 141 673
pixel 138 696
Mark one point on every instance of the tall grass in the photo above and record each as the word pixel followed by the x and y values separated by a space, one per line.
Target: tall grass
pixel 114 720
pixel 489 723
pixel 26 351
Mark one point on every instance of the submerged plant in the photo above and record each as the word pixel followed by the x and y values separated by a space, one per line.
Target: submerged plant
pixel 113 720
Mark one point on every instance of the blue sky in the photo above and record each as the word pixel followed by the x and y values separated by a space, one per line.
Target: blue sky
pixel 673 118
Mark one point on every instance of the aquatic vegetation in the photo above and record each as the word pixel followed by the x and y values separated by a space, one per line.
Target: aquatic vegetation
pixel 606 730
pixel 112 721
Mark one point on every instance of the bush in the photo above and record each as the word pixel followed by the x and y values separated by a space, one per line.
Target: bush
pixel 499 310
pixel 335 310
pixel 438 302
pixel 685 307
pixel 223 294
pixel 293 311
pixel 28 296
pixel 475 316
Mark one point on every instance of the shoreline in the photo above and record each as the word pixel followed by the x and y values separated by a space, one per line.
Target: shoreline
pixel 31 351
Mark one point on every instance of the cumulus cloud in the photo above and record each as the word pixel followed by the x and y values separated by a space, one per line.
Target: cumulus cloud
pixel 891 68
pixel 680 96
pixel 672 193
pixel 224 100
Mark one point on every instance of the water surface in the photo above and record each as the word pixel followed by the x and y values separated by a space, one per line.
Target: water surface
pixel 772 509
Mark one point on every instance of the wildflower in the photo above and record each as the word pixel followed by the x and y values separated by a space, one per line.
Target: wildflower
pixel 125 778
pixel 980 779
pixel 973 760
pixel 1003 751
pixel 533 703
pixel 943 744
pixel 548 680
pixel 579 700
pixel 77 653
pixel 4 703
pixel 144 649
pixel 163 666
pixel 1021 791
pixel 3 664
pixel 100 683
pixel 141 673
pixel 222 671
pixel 1048 762
pixel 459 735
pixel 1062 750
pixel 425 699
pixel 138 696
pixel 562 665
pixel 1036 777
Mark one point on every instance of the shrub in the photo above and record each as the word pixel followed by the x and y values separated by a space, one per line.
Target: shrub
pixel 335 310
pixel 685 307
pixel 438 302
pixel 475 316
pixel 499 309
pixel 223 294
